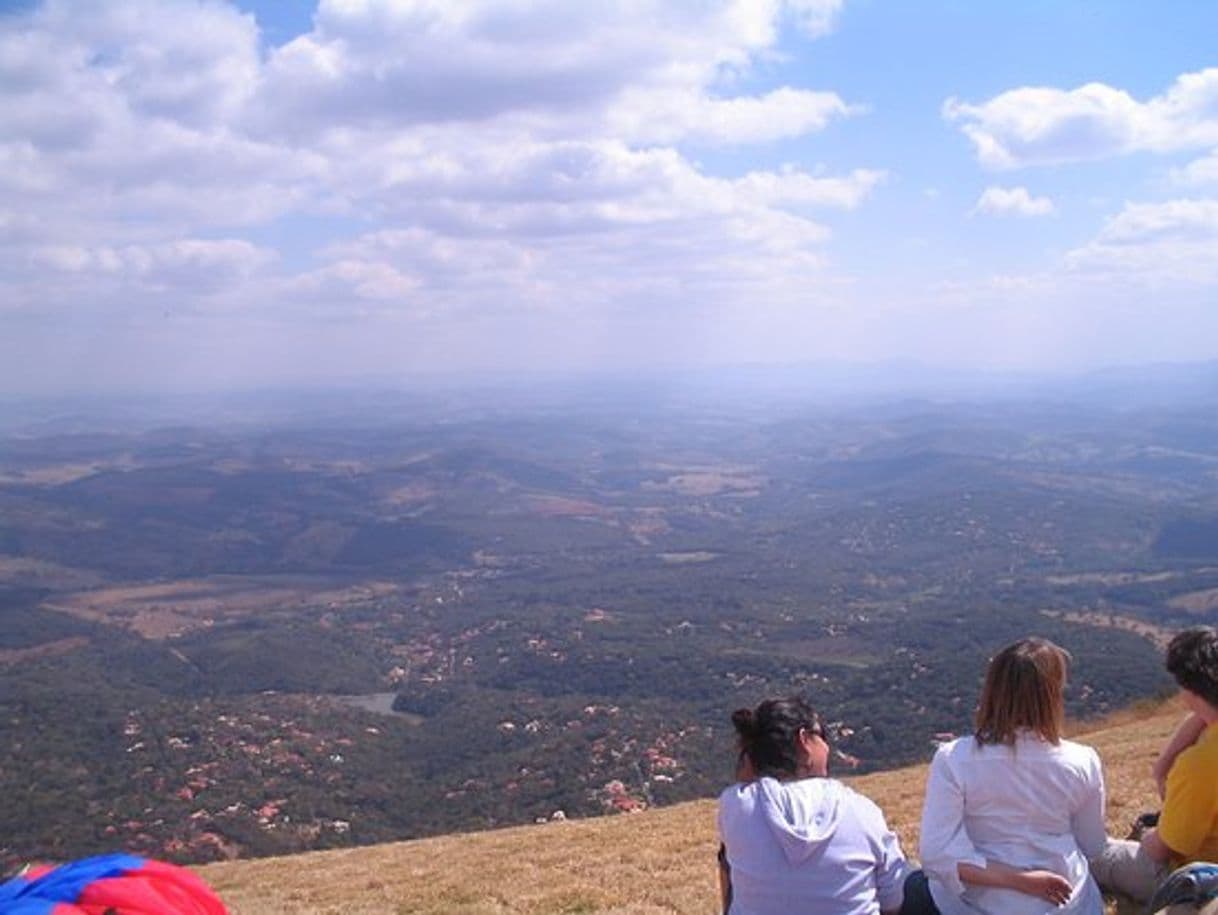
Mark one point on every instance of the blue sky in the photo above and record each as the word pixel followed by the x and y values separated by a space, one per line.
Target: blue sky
pixel 216 194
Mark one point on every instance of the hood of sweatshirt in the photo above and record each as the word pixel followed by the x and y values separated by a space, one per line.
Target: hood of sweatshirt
pixel 803 814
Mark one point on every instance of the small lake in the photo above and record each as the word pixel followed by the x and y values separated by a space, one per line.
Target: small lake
pixel 379 704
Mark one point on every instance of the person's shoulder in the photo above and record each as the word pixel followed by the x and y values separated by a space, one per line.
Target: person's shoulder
pixel 855 800
pixel 736 793
pixel 1206 746
pixel 737 804
pixel 1194 770
pixel 1079 757
pixel 957 747
pixel 1202 755
pixel 830 786
pixel 745 793
pixel 850 795
pixel 814 790
pixel 1081 753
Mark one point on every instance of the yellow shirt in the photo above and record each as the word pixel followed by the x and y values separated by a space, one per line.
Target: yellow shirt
pixel 1189 821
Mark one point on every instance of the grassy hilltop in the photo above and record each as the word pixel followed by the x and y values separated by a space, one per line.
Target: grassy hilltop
pixel 659 861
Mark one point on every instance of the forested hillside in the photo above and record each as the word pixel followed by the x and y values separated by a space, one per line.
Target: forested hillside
pixel 234 640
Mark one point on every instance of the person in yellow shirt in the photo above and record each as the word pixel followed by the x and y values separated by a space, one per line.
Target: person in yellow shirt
pixel 1187 773
pixel 1188 825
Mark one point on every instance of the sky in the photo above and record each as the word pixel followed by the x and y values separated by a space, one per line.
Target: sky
pixel 205 194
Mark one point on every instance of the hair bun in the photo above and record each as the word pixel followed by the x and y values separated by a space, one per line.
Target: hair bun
pixel 745 722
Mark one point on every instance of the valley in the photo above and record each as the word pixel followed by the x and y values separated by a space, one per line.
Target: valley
pixel 549 610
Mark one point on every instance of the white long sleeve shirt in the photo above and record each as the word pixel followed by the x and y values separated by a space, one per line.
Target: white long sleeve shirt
pixel 1032 805
pixel 810 845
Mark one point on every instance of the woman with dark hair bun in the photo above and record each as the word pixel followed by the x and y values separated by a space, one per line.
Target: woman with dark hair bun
pixel 1013 812
pixel 795 840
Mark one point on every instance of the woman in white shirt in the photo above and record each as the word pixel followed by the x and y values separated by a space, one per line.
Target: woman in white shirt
pixel 1013 812
pixel 795 840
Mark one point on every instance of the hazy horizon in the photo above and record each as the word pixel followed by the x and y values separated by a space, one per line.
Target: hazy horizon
pixel 757 392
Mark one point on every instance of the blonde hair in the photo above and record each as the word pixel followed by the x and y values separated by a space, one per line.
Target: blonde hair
pixel 1023 691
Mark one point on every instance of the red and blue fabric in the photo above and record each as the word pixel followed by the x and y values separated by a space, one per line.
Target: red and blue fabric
pixel 109 885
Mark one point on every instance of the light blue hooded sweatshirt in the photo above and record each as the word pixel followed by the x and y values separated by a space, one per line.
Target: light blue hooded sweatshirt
pixel 809 845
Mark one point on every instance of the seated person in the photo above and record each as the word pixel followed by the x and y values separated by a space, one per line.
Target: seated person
pixel 1012 812
pixel 795 840
pixel 1187 772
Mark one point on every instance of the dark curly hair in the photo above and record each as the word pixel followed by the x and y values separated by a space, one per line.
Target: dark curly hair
pixel 1192 658
pixel 769 735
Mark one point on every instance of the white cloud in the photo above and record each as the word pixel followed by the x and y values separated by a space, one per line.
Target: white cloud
pixel 660 258
pixel 139 117
pixel 1199 172
pixel 792 187
pixel 1141 222
pixel 1173 242
pixel 816 17
pixel 1044 125
pixel 585 226
pixel 416 161
pixel 644 71
pixel 120 284
pixel 122 115
pixel 366 281
pixel 1012 201
pixel 542 189
pixel 201 264
pixel 665 116
pixel 191 62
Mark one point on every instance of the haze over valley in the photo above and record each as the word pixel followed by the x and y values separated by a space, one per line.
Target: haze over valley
pixel 276 624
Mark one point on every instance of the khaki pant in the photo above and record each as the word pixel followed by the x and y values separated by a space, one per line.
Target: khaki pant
pixel 1126 906
pixel 1124 868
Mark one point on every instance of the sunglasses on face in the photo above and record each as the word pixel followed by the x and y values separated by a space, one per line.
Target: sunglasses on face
pixel 816 729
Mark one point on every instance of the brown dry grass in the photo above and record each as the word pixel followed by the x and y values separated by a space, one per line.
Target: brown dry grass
pixel 165 609
pixel 1196 601
pixel 562 507
pixel 711 483
pixel 693 557
pixel 656 863
pixel 52 474
pixel 24 571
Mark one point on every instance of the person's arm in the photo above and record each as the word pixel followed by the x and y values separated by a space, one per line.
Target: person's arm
pixel 948 853
pixel 1156 849
pixel 944 842
pixel 725 879
pixel 1188 805
pixel 1042 884
pixel 1087 823
pixel 891 868
pixel 1185 735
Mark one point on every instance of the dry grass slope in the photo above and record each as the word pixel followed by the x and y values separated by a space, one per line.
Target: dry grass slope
pixel 656 863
